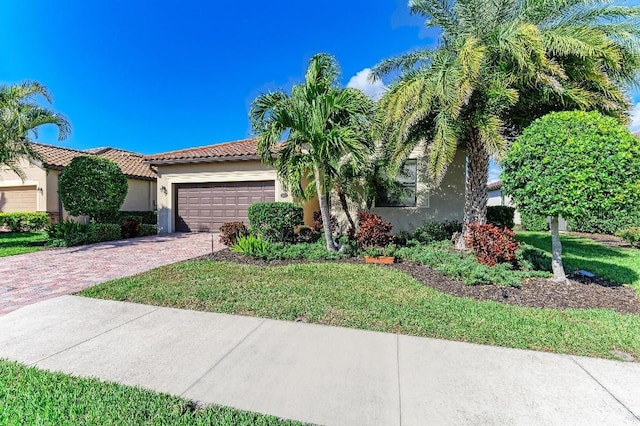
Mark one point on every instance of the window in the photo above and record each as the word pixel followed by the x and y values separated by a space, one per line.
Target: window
pixel 407 180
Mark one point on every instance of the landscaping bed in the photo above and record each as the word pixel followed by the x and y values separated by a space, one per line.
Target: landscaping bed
pixel 534 292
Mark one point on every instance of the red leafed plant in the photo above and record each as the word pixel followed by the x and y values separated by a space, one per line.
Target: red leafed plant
pixel 317 222
pixel 231 231
pixel 492 245
pixel 373 231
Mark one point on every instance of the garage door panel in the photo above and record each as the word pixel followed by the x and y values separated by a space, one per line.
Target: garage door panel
pixel 18 199
pixel 206 206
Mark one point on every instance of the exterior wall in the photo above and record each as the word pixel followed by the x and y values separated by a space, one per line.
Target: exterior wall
pixel 219 171
pixel 34 176
pixel 445 202
pixel 141 196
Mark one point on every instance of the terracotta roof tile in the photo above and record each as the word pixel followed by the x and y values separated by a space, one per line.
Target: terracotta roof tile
pixel 494 186
pixel 242 148
pixel 131 163
pixel 637 134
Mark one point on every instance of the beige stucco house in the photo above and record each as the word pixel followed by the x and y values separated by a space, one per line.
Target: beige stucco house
pixel 201 188
pixel 38 192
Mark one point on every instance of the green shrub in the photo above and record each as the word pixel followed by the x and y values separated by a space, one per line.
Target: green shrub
pixel 631 235
pixel 501 216
pixel 99 232
pixel 24 221
pixel 534 223
pixel 435 231
pixel 144 217
pixel 609 223
pixel 252 245
pixel 275 222
pixel 463 266
pixel 67 233
pixel 148 229
pixel 309 251
pixel 530 258
pixel 93 186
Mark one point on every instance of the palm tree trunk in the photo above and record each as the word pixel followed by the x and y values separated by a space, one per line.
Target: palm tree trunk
pixel 556 252
pixel 475 196
pixel 324 208
pixel 345 206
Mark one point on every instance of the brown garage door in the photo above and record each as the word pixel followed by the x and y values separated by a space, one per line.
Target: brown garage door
pixel 18 199
pixel 205 207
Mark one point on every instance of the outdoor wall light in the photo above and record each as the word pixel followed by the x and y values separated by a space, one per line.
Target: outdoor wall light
pixel 164 190
pixel 284 195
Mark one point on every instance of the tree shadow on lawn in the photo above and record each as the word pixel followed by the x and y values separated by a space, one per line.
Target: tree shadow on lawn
pixel 582 253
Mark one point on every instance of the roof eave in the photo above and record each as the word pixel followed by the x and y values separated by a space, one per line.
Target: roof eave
pixel 158 162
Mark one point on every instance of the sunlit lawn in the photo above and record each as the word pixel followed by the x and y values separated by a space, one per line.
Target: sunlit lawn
pixel 374 298
pixel 12 243
pixel 620 265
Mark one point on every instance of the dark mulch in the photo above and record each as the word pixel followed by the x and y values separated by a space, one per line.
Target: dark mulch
pixel 537 293
pixel 607 240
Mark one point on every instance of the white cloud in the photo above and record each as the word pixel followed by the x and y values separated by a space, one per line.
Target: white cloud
pixel 634 115
pixel 361 81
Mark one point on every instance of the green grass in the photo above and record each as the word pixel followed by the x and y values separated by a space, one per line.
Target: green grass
pixel 12 243
pixel 32 396
pixel 614 264
pixel 374 298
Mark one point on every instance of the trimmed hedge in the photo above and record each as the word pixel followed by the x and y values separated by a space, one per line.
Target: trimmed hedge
pixel 144 217
pixel 501 216
pixel 275 222
pixel 24 221
pixel 631 235
pixel 609 224
pixel 147 230
pixel 100 232
pixel 534 223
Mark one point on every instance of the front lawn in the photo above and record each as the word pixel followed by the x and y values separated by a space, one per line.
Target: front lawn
pixel 32 396
pixel 12 243
pixel 374 298
pixel 614 264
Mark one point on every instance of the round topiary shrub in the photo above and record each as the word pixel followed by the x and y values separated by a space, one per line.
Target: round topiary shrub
pixel 573 164
pixel 93 186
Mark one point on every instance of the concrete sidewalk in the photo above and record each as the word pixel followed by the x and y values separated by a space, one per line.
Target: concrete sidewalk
pixel 318 374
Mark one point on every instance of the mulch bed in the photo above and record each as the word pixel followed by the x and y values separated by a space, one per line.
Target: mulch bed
pixel 538 292
pixel 607 240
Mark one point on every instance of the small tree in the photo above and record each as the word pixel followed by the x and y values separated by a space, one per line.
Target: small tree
pixel 572 164
pixel 93 186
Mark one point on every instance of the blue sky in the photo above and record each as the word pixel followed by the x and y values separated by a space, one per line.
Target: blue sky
pixel 157 75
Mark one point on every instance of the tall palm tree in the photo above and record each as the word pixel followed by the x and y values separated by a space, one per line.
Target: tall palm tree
pixel 498 65
pixel 20 118
pixel 322 123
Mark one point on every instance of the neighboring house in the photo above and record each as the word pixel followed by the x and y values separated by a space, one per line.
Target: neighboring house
pixel 201 188
pixel 497 197
pixel 39 191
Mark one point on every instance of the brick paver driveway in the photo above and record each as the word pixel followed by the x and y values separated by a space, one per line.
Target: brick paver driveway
pixel 29 278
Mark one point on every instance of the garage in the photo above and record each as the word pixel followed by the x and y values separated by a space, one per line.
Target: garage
pixel 18 199
pixel 204 207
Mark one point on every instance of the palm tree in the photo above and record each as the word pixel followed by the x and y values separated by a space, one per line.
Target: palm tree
pixel 20 117
pixel 498 66
pixel 322 122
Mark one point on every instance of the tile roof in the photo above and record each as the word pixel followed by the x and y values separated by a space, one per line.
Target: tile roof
pixel 494 186
pixel 247 148
pixel 637 134
pixel 132 164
